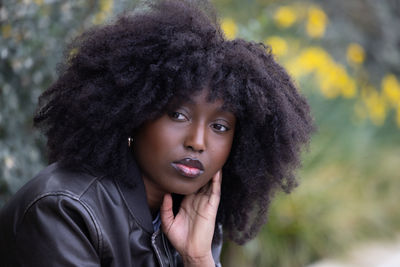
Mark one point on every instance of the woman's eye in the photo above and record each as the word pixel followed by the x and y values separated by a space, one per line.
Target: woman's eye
pixel 177 116
pixel 220 128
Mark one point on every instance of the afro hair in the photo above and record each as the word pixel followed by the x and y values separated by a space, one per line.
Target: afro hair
pixel 117 76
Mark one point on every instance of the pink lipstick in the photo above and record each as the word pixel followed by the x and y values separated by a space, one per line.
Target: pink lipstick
pixel 189 167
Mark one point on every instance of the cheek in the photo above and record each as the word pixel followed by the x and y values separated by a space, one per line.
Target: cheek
pixel 158 139
pixel 220 152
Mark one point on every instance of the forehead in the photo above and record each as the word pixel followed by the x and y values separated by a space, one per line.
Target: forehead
pixel 202 97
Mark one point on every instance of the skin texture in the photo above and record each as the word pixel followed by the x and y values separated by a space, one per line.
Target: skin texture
pixel 196 129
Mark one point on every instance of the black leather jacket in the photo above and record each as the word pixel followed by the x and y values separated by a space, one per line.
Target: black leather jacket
pixel 66 218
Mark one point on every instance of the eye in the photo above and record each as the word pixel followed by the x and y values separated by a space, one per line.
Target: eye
pixel 177 116
pixel 220 128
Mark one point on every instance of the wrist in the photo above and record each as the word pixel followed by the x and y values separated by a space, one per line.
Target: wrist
pixel 203 261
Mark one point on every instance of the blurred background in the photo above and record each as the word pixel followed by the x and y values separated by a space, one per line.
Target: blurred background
pixel 345 57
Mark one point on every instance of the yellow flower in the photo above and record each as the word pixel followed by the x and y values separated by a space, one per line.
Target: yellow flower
pixel 313 58
pixel 295 68
pixel 332 78
pixel 106 7
pixel 278 44
pixel 355 53
pixel 327 88
pixel 72 53
pixel 229 27
pixel 6 31
pixel 316 22
pixel 349 90
pixel 38 2
pixel 391 89
pixel 285 16
pixel 342 81
pixel 376 106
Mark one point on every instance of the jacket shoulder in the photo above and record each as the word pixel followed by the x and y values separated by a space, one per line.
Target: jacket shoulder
pixel 55 178
pixel 46 214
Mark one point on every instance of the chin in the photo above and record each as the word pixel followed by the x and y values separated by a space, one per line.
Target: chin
pixel 186 186
pixel 186 190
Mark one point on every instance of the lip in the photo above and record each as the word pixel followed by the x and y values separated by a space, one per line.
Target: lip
pixel 189 167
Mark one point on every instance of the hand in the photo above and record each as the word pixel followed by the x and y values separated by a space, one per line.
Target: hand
pixel 191 230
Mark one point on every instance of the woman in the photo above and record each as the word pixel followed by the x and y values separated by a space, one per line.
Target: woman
pixel 161 134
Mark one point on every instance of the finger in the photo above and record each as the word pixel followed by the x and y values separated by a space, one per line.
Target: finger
pixel 188 200
pixel 188 203
pixel 200 195
pixel 216 189
pixel 166 213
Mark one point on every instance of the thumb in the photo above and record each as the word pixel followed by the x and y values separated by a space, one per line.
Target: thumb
pixel 166 213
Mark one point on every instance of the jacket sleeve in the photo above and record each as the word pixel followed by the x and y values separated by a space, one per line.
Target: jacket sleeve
pixel 57 230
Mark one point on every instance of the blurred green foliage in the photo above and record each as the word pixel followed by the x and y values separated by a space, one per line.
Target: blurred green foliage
pixel 344 56
pixel 33 37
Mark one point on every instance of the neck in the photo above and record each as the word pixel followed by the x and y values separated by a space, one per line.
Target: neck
pixel 154 196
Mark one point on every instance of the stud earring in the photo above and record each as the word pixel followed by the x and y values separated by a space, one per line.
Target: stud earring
pixel 130 141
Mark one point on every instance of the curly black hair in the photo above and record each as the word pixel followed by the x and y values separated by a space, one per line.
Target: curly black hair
pixel 117 76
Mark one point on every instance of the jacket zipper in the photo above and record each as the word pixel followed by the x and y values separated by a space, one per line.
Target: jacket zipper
pixel 153 243
pixel 166 247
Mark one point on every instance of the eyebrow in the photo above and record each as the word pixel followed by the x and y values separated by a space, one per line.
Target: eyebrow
pixel 177 101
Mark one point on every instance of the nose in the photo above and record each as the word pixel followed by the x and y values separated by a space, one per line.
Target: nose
pixel 195 139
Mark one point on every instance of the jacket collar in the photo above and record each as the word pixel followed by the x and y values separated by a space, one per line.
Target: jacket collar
pixel 134 195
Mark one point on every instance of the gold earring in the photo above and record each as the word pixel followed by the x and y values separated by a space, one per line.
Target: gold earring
pixel 130 141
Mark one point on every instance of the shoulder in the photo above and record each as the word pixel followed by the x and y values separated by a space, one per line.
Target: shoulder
pixel 48 210
pixel 54 186
pixel 56 178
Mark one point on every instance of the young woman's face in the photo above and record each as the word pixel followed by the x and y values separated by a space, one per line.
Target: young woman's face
pixel 181 151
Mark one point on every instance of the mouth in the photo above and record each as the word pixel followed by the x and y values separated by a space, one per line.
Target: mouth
pixel 189 167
